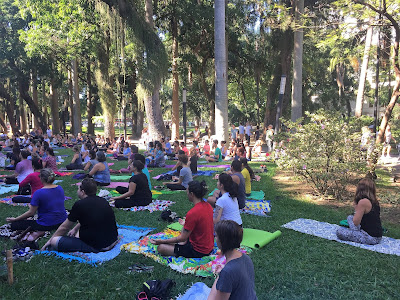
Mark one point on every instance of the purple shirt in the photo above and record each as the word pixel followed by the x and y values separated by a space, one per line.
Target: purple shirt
pixel 23 168
pixel 50 203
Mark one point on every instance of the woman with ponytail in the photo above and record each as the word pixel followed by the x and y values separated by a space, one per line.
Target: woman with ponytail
pixel 227 207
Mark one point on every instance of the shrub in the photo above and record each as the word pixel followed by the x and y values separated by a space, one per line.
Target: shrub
pixel 325 151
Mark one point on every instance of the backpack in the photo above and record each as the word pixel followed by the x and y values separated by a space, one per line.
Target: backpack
pixel 158 288
pixel 168 215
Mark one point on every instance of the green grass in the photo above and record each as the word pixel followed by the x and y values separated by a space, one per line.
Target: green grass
pixel 294 266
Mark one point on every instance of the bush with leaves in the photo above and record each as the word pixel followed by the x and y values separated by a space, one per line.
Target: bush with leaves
pixel 325 151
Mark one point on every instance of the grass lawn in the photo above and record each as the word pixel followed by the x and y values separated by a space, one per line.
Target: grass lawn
pixel 294 266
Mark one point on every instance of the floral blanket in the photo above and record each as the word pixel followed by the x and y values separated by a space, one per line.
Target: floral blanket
pixel 204 267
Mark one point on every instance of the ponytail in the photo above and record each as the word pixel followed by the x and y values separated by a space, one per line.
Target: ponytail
pixel 229 185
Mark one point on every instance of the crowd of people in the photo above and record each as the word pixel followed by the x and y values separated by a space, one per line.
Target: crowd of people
pixel 90 225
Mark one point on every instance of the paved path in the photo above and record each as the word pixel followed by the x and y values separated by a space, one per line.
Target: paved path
pixel 391 164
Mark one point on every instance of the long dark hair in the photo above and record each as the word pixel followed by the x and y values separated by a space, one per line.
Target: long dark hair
pixel 243 160
pixel 366 189
pixel 229 185
pixel 199 189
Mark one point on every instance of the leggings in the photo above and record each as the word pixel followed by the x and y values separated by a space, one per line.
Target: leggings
pixel 356 234
pixel 24 224
pixel 74 167
pixel 21 199
pixel 175 187
pixel 126 203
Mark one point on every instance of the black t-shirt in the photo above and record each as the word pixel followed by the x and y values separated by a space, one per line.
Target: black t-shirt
pixel 97 219
pixel 193 164
pixel 142 191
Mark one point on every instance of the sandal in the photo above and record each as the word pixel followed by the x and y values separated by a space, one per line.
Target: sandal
pixel 140 268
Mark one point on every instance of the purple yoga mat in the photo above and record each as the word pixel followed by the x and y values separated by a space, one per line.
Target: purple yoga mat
pixel 203 166
pixel 112 185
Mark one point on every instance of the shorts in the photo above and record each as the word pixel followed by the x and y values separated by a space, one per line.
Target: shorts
pixel 187 250
pixel 73 244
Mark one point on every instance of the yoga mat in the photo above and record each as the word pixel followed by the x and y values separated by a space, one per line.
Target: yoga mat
pixel 127 234
pixel 256 239
pixel 203 166
pixel 175 226
pixel 112 185
pixel 7 188
pixel 328 231
pixel 255 195
pixel 120 177
pixel 198 291
pixel 9 201
pixel 155 205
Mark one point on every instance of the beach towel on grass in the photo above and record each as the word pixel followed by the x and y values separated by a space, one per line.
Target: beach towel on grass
pixel 198 291
pixel 9 201
pixel 257 208
pixel 328 231
pixel 120 177
pixel 155 205
pixel 204 266
pixel 126 234
pixel 255 195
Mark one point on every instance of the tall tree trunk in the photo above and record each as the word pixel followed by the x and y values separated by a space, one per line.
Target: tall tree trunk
pixel 3 124
pixel 54 107
pixel 175 80
pixel 221 97
pixel 363 73
pixel 34 91
pixel 272 94
pixel 90 104
pixel 71 101
pixel 44 103
pixel 22 115
pixel 140 121
pixel 152 102
pixel 297 105
pixel 76 115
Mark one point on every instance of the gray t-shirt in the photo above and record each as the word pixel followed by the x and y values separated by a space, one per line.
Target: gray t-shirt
pixel 241 190
pixel 237 278
pixel 186 173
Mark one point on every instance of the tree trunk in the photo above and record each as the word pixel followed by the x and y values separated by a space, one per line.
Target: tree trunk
pixel 90 102
pixel 54 108
pixel 221 97
pixel 35 123
pixel 272 94
pixel 3 124
pixel 140 121
pixel 363 73
pixel 297 109
pixel 175 81
pixel 76 115
pixel 70 101
pixel 22 115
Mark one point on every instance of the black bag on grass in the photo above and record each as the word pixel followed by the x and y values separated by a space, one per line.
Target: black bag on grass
pixel 158 288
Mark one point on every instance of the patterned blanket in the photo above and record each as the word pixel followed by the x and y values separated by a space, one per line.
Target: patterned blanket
pixel 155 205
pixel 8 200
pixel 257 207
pixel 328 231
pixel 126 234
pixel 204 267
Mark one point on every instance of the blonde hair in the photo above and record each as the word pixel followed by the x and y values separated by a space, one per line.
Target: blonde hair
pixel 47 175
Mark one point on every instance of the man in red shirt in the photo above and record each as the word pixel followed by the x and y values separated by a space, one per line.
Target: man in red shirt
pixel 197 236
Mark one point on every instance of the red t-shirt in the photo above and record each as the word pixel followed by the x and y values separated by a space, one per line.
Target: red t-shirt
pixel 34 180
pixel 199 220
pixel 184 149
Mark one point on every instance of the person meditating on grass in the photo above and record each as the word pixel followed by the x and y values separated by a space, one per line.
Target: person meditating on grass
pixel 96 229
pixel 236 278
pixel 76 162
pixel 365 225
pixel 138 193
pixel 48 202
pixel 197 236
pixel 32 180
pixel 100 172
pixel 248 175
pixel 217 153
pixel 185 175
pixel 227 207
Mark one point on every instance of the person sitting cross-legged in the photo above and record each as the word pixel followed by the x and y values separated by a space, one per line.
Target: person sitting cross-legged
pixel 197 236
pixel 96 230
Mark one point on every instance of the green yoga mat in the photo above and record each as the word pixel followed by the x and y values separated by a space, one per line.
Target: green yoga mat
pixel 175 226
pixel 257 239
pixel 120 177
pixel 255 195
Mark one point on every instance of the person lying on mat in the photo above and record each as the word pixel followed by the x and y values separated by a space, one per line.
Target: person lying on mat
pixel 100 171
pixel 185 175
pixel 226 206
pixel 96 229
pixel 32 180
pixel 138 193
pixel 217 153
pixel 48 202
pixel 236 278
pixel 365 225
pixel 197 236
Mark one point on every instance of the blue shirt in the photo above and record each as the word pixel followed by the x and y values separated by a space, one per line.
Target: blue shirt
pixel 50 203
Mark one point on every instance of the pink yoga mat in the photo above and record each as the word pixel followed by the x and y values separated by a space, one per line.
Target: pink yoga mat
pixel 112 185
pixel 203 166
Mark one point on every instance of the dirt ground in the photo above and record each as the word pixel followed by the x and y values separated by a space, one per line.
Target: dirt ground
pixel 389 197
